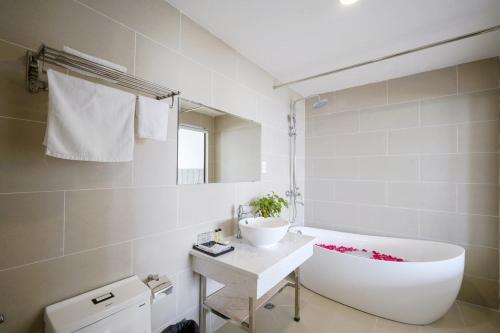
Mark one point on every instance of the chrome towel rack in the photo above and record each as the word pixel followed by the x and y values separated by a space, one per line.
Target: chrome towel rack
pixel 46 54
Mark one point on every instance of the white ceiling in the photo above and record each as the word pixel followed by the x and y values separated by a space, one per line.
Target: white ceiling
pixel 292 39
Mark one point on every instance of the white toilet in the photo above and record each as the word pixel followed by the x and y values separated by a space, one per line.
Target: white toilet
pixel 123 306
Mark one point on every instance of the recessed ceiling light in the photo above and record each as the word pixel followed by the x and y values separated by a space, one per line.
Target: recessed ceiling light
pixel 348 2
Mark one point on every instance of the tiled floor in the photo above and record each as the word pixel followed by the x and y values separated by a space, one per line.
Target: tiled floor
pixel 321 315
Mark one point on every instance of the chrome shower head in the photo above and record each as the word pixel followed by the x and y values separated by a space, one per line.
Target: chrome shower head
pixel 320 103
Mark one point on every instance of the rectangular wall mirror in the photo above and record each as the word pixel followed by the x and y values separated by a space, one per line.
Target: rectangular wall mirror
pixel 216 147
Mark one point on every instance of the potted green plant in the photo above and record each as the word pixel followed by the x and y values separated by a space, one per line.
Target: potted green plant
pixel 269 205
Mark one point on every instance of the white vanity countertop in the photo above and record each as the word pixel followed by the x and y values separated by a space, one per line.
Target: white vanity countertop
pixel 255 261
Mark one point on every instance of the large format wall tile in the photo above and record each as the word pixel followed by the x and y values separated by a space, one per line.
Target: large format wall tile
pixel 58 22
pixel 460 109
pixel 389 117
pixel 361 97
pixel 479 291
pixel 481 262
pixel 478 137
pixel 98 217
pixel 229 96
pixel 389 220
pixel 155 163
pixel 360 192
pixel 345 122
pixel 153 18
pixel 460 228
pixel 335 168
pixel 435 83
pixel 27 290
pixel 428 140
pixel 478 75
pixel 15 100
pixel 197 203
pixel 201 46
pixel 400 168
pixel 25 167
pixel 462 168
pixel 31 218
pixel 478 199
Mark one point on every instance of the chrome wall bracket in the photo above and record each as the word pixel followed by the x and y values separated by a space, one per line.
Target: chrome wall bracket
pixel 33 83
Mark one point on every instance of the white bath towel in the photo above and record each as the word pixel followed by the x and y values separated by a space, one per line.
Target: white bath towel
pixel 152 118
pixel 88 121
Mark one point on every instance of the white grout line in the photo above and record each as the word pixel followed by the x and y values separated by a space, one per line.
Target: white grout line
pixel 16 44
pixel 64 225
pixel 135 53
pixel 23 119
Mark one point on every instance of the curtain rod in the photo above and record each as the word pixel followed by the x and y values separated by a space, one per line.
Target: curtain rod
pixel 394 55
pixel 87 67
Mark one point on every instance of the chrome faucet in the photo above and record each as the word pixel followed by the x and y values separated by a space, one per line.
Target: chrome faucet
pixel 241 215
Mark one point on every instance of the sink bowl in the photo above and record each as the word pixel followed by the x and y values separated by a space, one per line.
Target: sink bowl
pixel 263 232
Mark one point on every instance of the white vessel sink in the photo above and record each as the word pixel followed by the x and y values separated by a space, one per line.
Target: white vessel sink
pixel 263 232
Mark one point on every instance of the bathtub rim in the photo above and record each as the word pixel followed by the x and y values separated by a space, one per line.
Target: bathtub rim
pixel 460 251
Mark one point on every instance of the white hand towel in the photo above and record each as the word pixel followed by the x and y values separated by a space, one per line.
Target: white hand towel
pixel 152 119
pixel 88 121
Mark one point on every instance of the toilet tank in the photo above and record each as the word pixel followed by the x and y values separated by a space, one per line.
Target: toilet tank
pixel 123 306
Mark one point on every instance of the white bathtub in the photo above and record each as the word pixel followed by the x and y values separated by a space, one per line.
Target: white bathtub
pixel 419 291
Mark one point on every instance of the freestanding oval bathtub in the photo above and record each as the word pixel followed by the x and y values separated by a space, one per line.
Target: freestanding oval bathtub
pixel 418 291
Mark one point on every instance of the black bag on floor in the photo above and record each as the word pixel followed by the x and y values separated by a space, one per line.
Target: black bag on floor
pixel 184 326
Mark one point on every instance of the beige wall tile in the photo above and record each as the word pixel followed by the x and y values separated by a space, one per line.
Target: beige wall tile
pixel 389 117
pixel 197 203
pixel 369 95
pixel 478 137
pixel 163 310
pixel 25 167
pixel 320 146
pixel 430 140
pixel 195 82
pixel 188 291
pixel 277 168
pixel 319 190
pixel 272 113
pixel 434 196
pixel 32 227
pixel 57 22
pixel 481 262
pixel 165 253
pixel 360 192
pixel 155 163
pixel 435 83
pixel 462 168
pixel 156 19
pixel 478 199
pixel 373 143
pixel 157 63
pixel 389 220
pixel 201 46
pixel 333 213
pixel 98 217
pixel 22 301
pixel 479 291
pixel 401 168
pixel 459 228
pixel 231 97
pixel 336 168
pixel 462 108
pixel 15 100
pixel 478 75
pixel 345 122
pixel 252 76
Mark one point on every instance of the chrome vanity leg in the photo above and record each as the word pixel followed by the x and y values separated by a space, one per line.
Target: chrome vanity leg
pixel 297 295
pixel 202 311
pixel 251 317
